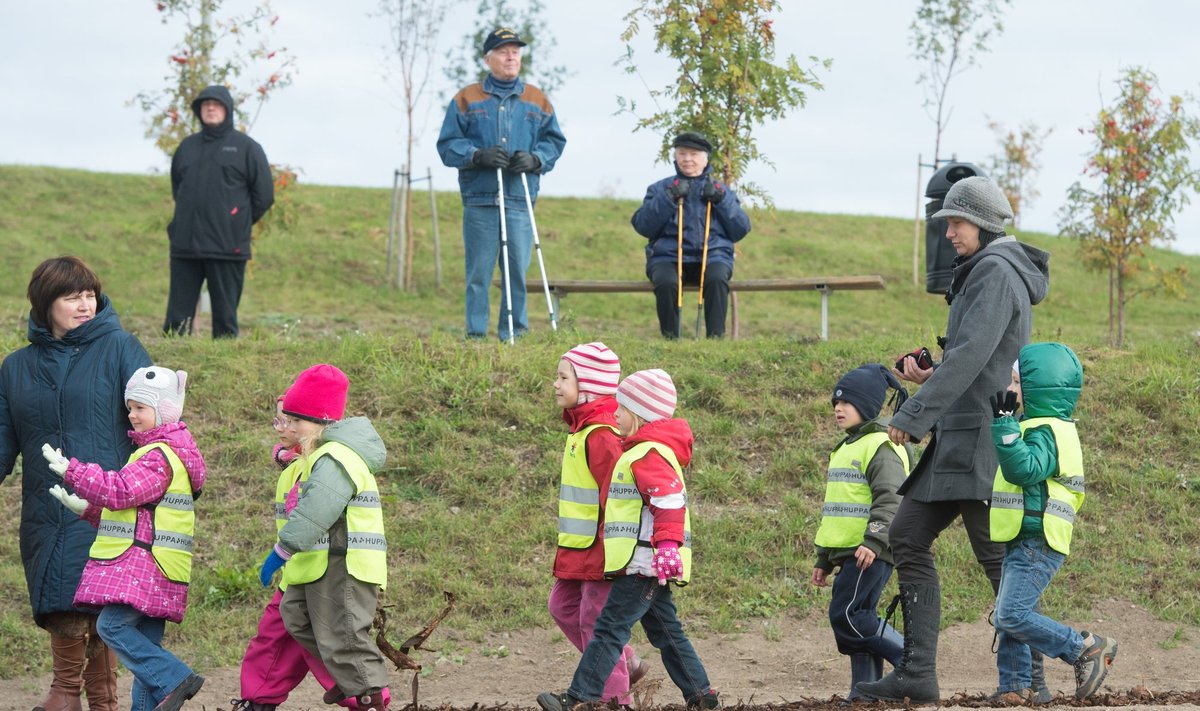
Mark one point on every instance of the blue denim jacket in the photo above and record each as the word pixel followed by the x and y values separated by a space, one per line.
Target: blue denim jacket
pixel 519 118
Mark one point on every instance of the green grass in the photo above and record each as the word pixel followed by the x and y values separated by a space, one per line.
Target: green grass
pixel 474 438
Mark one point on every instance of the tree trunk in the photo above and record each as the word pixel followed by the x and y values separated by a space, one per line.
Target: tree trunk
pixel 1112 305
pixel 1121 304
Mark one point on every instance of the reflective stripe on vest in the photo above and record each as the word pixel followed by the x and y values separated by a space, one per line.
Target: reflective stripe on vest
pixel 1064 491
pixel 174 523
pixel 578 493
pixel 847 507
pixel 623 512
pixel 287 479
pixel 366 545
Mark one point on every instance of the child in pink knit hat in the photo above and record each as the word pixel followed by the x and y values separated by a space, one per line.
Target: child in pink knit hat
pixel 647 543
pixel 333 541
pixel 140 565
pixel 584 385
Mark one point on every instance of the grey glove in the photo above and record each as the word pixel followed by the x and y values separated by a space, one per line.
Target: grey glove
pixel 522 162
pixel 71 501
pixel 58 463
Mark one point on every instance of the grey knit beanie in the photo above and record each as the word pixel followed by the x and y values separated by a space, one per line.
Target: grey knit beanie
pixel 977 200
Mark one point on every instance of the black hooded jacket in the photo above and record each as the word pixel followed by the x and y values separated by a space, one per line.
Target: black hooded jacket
pixel 221 182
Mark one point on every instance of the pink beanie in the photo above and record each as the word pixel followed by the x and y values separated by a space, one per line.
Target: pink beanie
pixel 318 395
pixel 649 394
pixel 597 369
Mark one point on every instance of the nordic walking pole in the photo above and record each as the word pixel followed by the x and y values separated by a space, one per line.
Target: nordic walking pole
pixel 512 338
pixel 537 245
pixel 679 271
pixel 703 267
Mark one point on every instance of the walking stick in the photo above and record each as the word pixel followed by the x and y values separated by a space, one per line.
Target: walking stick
pixel 537 245
pixel 512 338
pixel 679 272
pixel 703 267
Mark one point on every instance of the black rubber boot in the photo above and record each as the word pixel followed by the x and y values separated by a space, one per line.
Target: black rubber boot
pixel 863 668
pixel 915 678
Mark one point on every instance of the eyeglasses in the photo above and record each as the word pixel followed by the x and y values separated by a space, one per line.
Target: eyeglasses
pixel 283 423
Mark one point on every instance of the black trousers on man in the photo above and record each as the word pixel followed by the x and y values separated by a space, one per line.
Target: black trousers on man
pixel 917 525
pixel 225 278
pixel 665 277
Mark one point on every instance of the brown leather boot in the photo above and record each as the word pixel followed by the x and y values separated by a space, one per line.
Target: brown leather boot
pixel 70 654
pixel 100 681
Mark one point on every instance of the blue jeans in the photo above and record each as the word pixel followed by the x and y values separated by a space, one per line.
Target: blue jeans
pixel 1029 566
pixel 633 599
pixel 481 245
pixel 856 625
pixel 137 641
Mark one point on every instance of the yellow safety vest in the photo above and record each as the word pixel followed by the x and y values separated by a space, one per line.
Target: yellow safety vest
pixel 578 493
pixel 366 545
pixel 1064 491
pixel 623 513
pixel 848 499
pixel 287 479
pixel 174 523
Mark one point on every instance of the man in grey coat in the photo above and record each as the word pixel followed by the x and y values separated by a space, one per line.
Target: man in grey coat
pixel 996 282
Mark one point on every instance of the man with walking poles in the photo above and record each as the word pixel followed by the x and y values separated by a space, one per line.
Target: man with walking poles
pixel 692 222
pixel 501 134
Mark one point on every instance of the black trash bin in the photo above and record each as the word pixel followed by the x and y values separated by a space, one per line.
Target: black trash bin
pixel 939 253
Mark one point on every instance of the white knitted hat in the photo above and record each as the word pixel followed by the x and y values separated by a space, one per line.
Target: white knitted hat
pixel 597 369
pixel 159 388
pixel 649 394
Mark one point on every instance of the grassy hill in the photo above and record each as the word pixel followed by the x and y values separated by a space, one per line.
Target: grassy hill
pixel 474 438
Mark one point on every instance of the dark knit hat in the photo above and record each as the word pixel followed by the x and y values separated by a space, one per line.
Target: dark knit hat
pixel 318 395
pixel 499 37
pixel 866 388
pixel 691 139
pixel 977 200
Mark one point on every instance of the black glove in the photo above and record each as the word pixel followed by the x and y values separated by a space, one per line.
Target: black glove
pixel 713 191
pixel 522 162
pixel 678 190
pixel 1004 404
pixel 492 157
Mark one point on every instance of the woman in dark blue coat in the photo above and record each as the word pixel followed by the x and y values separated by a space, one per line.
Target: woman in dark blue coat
pixel 66 388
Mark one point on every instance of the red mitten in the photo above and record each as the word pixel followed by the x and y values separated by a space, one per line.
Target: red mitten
pixel 667 563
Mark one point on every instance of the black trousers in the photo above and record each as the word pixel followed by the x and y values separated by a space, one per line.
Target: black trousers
pixel 225 278
pixel 917 525
pixel 665 277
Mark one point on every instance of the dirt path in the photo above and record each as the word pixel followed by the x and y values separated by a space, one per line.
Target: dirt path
pixel 772 662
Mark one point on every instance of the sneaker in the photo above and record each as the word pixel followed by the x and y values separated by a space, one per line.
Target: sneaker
pixel 1018 697
pixel 1041 697
pixel 180 694
pixel 638 670
pixel 550 701
pixel 1092 665
pixel 374 700
pixel 707 700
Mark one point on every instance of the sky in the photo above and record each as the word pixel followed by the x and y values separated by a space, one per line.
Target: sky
pixel 70 67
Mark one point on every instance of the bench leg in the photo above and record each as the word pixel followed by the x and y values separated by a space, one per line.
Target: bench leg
pixel 825 313
pixel 733 313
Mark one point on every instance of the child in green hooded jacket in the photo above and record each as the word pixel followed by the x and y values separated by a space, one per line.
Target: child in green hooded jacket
pixel 1036 495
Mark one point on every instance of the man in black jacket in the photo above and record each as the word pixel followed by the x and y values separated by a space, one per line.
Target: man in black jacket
pixel 221 183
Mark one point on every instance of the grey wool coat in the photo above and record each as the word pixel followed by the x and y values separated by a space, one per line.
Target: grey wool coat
pixel 991 314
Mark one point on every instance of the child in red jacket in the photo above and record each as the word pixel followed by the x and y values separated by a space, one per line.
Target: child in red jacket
pixel 584 385
pixel 647 543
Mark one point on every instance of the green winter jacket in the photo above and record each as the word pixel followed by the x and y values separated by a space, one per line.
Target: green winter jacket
pixel 1051 378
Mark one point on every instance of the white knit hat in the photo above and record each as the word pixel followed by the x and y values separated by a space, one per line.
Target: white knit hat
pixel 159 388
pixel 649 394
pixel 597 369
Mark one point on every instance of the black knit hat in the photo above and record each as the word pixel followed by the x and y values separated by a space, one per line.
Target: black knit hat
pixel 866 388
pixel 691 139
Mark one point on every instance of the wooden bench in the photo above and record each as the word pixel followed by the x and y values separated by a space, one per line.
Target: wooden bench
pixel 824 285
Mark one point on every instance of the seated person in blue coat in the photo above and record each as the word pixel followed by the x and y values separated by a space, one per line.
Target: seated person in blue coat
pixel 712 219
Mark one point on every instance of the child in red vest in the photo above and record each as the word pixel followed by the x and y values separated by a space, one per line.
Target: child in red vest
pixel 584 385
pixel 647 543
pixel 141 562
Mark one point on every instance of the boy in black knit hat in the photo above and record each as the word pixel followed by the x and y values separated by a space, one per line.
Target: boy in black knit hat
pixel 865 469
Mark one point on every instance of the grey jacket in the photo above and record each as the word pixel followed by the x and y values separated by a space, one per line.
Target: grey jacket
pixel 321 508
pixel 991 314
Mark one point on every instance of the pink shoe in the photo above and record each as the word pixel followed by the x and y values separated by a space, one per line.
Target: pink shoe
pixel 638 668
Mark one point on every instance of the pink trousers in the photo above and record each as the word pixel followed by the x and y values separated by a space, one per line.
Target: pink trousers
pixel 575 605
pixel 275 663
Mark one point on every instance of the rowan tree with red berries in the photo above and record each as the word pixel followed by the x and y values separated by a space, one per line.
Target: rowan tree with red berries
pixel 1139 176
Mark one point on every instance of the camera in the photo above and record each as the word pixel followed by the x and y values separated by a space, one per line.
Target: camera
pixel 922 356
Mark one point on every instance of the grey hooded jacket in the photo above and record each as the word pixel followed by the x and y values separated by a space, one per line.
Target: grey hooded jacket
pixel 991 315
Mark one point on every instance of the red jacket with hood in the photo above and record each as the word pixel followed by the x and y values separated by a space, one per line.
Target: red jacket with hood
pixel 603 451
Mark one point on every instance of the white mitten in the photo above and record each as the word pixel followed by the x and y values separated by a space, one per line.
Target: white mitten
pixel 71 501
pixel 58 463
